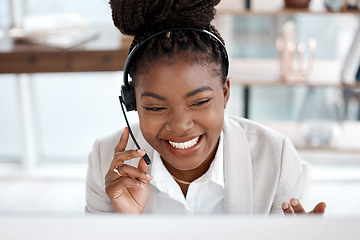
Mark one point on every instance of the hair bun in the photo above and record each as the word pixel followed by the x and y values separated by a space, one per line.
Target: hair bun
pixel 134 17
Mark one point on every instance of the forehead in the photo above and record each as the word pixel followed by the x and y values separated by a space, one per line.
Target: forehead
pixel 179 75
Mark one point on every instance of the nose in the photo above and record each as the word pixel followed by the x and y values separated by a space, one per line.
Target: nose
pixel 179 121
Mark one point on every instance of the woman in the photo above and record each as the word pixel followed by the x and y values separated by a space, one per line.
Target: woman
pixel 203 161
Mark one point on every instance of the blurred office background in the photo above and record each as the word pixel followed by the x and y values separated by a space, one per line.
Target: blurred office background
pixel 44 171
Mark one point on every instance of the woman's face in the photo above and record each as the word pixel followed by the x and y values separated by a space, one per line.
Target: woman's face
pixel 181 111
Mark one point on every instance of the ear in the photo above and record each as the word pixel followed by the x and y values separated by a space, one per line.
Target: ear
pixel 226 91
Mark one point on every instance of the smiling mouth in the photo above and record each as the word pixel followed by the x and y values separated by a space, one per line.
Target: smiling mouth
pixel 184 145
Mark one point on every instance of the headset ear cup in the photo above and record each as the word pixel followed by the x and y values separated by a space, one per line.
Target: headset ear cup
pixel 128 98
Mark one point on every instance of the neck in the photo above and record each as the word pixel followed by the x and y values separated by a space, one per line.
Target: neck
pixel 180 181
pixel 186 176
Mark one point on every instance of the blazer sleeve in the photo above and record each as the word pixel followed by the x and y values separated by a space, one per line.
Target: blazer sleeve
pixel 290 182
pixel 97 200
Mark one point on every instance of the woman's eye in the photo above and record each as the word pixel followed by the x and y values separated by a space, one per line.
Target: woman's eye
pixel 200 103
pixel 155 109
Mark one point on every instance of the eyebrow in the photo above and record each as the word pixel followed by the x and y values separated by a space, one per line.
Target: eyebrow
pixel 190 94
pixel 153 95
pixel 199 90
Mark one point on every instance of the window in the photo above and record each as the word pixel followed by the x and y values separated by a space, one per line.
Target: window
pixel 68 110
pixel 74 109
pixel 95 11
pixel 10 127
pixel 4 14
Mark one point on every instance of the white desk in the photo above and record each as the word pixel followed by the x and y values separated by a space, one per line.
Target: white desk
pixel 176 227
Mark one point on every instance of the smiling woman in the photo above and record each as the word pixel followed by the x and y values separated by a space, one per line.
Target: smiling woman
pixel 203 161
pixel 187 108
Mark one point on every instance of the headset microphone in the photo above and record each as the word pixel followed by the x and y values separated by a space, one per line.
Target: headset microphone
pixel 145 157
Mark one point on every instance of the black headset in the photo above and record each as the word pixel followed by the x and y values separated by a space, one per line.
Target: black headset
pixel 127 96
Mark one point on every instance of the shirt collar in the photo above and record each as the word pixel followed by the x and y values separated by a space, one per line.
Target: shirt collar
pixel 215 172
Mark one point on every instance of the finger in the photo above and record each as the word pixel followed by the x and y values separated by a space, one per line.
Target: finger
pixel 143 166
pixel 115 189
pixel 296 206
pixel 129 171
pixel 121 157
pixel 286 208
pixel 319 208
pixel 122 142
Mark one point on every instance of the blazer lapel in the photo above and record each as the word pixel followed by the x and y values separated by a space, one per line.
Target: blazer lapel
pixel 237 169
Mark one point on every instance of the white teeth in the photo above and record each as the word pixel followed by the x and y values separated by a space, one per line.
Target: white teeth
pixel 185 145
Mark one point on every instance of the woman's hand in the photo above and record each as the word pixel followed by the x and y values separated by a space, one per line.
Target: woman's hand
pixel 128 187
pixel 294 207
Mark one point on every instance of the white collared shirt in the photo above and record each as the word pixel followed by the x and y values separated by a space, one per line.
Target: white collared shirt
pixel 205 195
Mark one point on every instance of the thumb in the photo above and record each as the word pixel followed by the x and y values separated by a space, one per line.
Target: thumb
pixel 319 208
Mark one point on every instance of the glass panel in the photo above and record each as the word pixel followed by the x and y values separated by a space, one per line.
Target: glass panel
pixel 74 109
pixel 333 34
pixel 272 103
pixel 235 104
pixel 254 36
pixel 10 130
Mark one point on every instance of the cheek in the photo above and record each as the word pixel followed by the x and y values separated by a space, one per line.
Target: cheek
pixel 215 124
pixel 149 126
pixel 214 116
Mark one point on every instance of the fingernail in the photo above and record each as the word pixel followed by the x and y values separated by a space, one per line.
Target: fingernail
pixel 142 151
pixel 294 202
pixel 148 176
pixel 285 205
pixel 143 185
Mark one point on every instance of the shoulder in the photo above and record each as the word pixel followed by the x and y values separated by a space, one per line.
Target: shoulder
pixel 252 130
pixel 262 142
pixel 276 174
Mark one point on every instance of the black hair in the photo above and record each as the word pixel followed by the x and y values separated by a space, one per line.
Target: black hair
pixel 143 18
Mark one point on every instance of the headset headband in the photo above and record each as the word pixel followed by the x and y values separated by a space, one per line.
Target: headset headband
pixel 137 46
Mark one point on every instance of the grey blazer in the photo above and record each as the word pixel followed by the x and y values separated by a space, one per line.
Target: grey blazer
pixel 261 168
